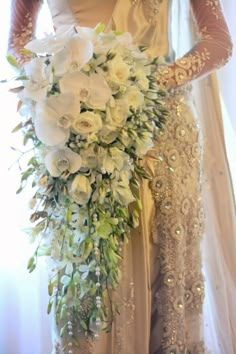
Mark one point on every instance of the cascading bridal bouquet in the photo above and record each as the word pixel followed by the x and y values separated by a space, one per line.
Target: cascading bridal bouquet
pixel 90 106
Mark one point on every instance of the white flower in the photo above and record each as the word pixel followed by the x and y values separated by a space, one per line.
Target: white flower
pixel 60 160
pixel 122 192
pixel 107 134
pixel 116 116
pixel 39 82
pixel 73 57
pixel 89 158
pixel 144 143
pixel 52 43
pixel 134 97
pixel 87 122
pixel 143 81
pixel 118 70
pixel 54 117
pixel 80 190
pixel 93 89
pixel 113 159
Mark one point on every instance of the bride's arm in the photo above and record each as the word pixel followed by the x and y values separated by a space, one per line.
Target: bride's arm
pixel 23 21
pixel 211 52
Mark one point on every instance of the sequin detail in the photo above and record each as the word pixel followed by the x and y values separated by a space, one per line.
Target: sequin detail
pixel 179 290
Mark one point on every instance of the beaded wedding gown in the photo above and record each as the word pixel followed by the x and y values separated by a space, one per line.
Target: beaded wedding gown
pixel 161 293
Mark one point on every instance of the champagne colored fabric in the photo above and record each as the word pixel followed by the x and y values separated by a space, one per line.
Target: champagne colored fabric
pixel 149 23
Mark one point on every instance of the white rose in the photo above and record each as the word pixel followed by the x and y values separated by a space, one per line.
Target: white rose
pixel 60 160
pixel 134 97
pixel 87 122
pixel 117 115
pixel 107 134
pixel 118 70
pixel 143 82
pixel 80 190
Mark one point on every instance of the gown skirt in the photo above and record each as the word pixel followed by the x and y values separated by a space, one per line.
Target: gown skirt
pixel 161 292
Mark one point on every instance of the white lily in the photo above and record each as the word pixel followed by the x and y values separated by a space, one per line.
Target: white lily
pixel 60 160
pixel 92 90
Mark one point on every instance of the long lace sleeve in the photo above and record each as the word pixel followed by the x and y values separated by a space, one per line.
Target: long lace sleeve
pixel 23 21
pixel 213 49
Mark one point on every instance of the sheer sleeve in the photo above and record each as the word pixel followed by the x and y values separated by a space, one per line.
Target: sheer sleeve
pixel 213 49
pixel 23 22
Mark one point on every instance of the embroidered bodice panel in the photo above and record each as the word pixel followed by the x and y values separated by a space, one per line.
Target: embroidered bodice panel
pixel 147 20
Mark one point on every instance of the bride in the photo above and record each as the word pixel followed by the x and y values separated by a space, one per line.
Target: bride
pixel 161 293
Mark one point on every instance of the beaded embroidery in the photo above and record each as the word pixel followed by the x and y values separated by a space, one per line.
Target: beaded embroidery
pixel 179 223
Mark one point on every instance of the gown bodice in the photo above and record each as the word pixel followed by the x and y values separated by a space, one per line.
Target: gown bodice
pixel 146 20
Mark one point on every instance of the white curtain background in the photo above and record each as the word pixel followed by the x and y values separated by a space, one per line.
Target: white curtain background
pixel 25 325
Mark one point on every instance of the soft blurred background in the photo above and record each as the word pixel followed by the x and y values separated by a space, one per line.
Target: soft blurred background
pixel 25 325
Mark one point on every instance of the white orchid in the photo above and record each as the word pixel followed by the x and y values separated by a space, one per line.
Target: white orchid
pixel 76 53
pixel 39 80
pixel 80 190
pixel 90 89
pixel 54 117
pixel 59 160
pixel 52 43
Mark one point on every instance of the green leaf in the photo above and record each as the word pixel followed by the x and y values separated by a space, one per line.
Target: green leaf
pixel 83 325
pixel 100 27
pixel 63 330
pixel 18 127
pixel 49 308
pixel 22 77
pixel 50 288
pixel 63 311
pixel 12 60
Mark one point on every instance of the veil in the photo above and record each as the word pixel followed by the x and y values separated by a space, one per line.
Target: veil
pixel 219 243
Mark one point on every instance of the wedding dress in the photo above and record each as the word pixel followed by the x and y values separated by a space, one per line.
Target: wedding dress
pixel 161 293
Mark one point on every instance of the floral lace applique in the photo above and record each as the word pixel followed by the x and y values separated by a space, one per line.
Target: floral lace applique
pixel 214 4
pixel 180 224
pixel 213 49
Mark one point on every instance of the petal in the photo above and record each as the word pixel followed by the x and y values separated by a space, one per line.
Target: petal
pixel 81 50
pixel 46 128
pixel 73 83
pixel 50 163
pixel 75 160
pixel 100 92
